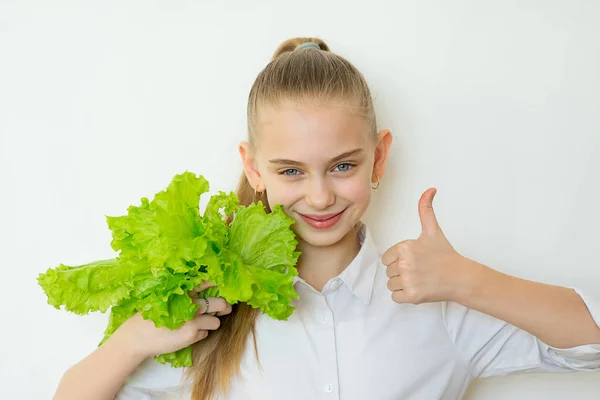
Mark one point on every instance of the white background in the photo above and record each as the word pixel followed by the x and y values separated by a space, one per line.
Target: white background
pixel 495 103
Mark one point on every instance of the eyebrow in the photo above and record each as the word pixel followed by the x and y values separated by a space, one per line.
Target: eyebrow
pixel 333 160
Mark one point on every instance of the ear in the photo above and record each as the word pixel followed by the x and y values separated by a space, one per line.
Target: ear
pixel 384 141
pixel 250 167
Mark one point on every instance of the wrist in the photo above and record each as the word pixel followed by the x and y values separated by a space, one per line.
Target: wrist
pixel 127 348
pixel 471 277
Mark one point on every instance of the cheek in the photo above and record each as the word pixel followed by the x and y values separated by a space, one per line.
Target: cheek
pixel 283 193
pixel 356 189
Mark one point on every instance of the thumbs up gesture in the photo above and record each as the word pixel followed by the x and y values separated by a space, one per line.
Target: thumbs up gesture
pixel 427 269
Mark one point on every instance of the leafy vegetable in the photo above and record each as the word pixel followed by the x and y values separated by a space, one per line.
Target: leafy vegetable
pixel 166 248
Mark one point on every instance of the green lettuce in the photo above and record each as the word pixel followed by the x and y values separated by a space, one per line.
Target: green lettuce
pixel 166 248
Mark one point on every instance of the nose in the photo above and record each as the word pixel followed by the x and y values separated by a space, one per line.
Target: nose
pixel 319 194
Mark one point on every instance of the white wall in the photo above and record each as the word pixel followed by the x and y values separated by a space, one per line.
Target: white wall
pixel 496 103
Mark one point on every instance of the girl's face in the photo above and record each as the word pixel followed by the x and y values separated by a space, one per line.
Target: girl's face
pixel 319 163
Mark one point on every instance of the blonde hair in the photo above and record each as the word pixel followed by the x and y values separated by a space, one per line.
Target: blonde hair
pixel 302 75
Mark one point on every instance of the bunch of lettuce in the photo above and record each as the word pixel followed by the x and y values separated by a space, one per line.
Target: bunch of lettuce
pixel 166 248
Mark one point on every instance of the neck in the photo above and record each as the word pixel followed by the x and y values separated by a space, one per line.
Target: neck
pixel 317 265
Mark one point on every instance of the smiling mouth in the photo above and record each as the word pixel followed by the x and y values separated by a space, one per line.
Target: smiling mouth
pixel 324 221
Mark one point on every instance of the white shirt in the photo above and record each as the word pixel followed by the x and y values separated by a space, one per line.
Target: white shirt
pixel 351 342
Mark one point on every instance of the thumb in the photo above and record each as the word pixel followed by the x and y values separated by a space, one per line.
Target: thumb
pixel 429 222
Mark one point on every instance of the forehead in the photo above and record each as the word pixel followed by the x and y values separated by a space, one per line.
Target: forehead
pixel 306 132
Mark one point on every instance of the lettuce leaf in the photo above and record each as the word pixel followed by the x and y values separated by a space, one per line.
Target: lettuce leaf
pixel 260 269
pixel 166 248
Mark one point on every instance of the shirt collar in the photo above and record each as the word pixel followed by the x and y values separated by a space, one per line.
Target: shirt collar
pixel 359 275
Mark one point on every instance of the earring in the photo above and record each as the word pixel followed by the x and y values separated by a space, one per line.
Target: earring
pixel 376 185
pixel 257 193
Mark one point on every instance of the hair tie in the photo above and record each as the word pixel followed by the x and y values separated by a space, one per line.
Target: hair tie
pixel 308 45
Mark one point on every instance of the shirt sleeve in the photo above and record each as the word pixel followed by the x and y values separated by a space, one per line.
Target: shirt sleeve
pixel 154 381
pixel 129 392
pixel 493 347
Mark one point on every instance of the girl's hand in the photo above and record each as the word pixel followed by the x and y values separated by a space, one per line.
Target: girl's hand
pixel 427 269
pixel 144 339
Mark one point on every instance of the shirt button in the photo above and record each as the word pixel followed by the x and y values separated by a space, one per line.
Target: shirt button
pixel 335 284
pixel 328 388
pixel 323 318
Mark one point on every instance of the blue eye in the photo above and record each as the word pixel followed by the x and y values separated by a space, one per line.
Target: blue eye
pixel 291 172
pixel 343 167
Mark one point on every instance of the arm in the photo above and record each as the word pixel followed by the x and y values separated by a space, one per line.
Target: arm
pixel 498 324
pixel 101 374
pixel 428 269
pixel 555 315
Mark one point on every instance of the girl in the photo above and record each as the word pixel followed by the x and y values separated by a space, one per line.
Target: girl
pixel 418 322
